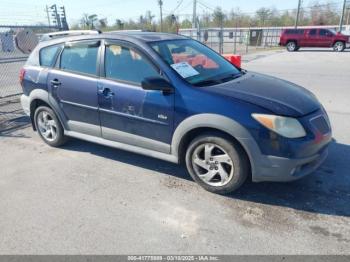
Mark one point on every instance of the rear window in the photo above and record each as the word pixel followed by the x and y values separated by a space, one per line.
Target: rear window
pixel 80 58
pixel 294 31
pixel 48 55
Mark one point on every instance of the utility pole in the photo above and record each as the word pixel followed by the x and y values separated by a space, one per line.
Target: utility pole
pixel 160 3
pixel 342 17
pixel 48 15
pixel 298 14
pixel 64 18
pixel 347 19
pixel 56 16
pixel 194 18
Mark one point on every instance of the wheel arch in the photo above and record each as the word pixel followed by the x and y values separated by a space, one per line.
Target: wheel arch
pixel 292 40
pixel 198 124
pixel 335 41
pixel 40 97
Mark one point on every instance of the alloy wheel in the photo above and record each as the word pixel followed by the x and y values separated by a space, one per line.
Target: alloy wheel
pixel 338 46
pixel 47 126
pixel 212 164
pixel 291 46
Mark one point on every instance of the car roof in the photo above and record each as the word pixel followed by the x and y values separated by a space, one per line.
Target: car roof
pixel 131 36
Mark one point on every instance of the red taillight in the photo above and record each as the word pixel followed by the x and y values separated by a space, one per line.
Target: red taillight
pixel 21 75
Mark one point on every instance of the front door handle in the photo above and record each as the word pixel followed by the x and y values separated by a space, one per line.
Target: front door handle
pixel 106 92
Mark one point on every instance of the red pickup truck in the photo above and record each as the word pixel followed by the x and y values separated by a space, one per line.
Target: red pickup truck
pixel 293 39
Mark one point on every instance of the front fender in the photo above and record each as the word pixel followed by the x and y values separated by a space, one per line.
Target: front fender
pixel 223 124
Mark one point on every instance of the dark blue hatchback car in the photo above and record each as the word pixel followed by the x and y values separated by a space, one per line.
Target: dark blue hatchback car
pixel 170 97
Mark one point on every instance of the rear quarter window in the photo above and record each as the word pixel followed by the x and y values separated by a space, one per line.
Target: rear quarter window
pixel 48 55
pixel 33 59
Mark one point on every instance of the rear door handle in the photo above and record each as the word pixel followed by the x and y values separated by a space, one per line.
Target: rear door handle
pixel 55 83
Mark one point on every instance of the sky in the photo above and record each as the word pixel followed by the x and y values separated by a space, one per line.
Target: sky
pixel 29 12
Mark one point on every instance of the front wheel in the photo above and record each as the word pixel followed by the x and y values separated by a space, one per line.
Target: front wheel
pixel 216 163
pixel 339 46
pixel 49 127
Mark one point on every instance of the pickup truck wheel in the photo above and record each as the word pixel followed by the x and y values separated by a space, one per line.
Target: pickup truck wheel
pixel 339 46
pixel 49 127
pixel 216 163
pixel 292 46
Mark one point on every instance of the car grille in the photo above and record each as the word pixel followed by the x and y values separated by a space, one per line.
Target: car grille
pixel 321 124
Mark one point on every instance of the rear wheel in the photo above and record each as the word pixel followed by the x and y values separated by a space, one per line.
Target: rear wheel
pixel 216 163
pixel 49 127
pixel 339 46
pixel 292 46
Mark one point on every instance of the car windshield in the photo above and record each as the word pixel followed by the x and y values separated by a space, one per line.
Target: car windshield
pixel 196 63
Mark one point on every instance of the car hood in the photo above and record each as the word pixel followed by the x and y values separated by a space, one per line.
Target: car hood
pixel 274 94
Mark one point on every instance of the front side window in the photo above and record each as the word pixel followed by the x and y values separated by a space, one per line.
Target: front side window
pixel 80 58
pixel 48 55
pixel 196 63
pixel 127 64
pixel 324 32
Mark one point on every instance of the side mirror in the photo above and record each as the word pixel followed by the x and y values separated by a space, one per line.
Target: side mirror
pixel 157 84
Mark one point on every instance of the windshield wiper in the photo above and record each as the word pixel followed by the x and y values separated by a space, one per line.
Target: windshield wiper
pixel 207 82
pixel 216 81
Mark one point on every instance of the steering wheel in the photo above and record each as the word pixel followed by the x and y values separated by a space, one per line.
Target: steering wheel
pixel 199 67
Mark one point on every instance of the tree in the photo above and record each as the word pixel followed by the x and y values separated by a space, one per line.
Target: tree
pixel 93 18
pixel 119 24
pixel 88 21
pixel 262 15
pixel 186 23
pixel 218 17
pixel 103 23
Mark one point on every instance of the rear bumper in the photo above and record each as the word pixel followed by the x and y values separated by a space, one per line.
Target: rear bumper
pixel 284 169
pixel 25 102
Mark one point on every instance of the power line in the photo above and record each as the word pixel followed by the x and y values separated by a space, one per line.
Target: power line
pixel 177 7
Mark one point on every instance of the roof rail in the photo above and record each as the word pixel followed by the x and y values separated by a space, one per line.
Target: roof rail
pixel 61 34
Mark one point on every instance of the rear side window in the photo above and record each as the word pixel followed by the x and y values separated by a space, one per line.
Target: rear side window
pixel 313 32
pixel 80 58
pixel 126 64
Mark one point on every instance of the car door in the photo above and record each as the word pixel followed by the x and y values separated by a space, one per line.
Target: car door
pixel 73 84
pixel 128 113
pixel 311 38
pixel 325 38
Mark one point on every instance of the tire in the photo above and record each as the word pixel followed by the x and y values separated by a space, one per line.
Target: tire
pixel 339 46
pixel 292 46
pixel 216 163
pixel 49 127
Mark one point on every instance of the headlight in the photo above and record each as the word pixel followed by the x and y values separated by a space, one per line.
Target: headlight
pixel 284 126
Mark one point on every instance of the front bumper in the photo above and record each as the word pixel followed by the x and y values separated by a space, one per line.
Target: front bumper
pixel 284 169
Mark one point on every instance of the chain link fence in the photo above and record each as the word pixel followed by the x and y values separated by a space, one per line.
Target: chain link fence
pixel 15 45
pixel 239 40
pixel 236 40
